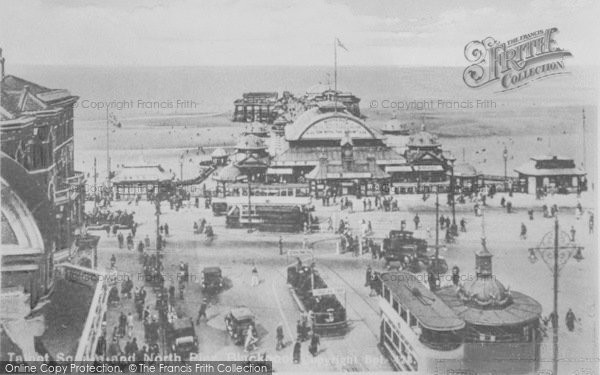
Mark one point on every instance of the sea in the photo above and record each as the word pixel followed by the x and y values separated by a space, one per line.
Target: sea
pixel 165 111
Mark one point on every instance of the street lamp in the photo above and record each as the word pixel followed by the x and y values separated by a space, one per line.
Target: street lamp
pixel 555 249
pixel 505 156
pixel 453 227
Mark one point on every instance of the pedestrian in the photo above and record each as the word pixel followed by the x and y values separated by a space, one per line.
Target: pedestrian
pixel 250 339
pixel 297 350
pixel 181 288
pixel 114 350
pixel 280 245
pixel 570 320
pixel 368 274
pixel 140 247
pixel 122 324
pixel 463 225
pixel 523 235
pixel 101 346
pixel 279 345
pixel 166 230
pixel 314 344
pixel 147 242
pixel 115 229
pixel 455 275
pixel 133 346
pixel 572 233
pixel 133 229
pixel 107 228
pixel 202 311
pixel 130 325
pixel 113 261
pixel 254 280
pixel 530 213
pixel 417 220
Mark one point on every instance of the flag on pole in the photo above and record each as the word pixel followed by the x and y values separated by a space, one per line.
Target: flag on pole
pixel 339 43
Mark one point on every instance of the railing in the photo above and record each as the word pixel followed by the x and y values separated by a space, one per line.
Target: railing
pixel 92 330
pixel 76 179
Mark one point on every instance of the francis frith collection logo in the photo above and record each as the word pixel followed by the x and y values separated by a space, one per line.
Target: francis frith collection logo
pixel 514 63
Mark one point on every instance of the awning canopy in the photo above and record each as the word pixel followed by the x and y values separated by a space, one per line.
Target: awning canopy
pixel 285 171
pixel 428 168
pixel 398 168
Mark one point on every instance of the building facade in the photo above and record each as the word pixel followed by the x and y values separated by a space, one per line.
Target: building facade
pixel 552 173
pixel 36 130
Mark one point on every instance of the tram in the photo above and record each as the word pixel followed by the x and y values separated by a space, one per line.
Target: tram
pixel 418 331
pixel 328 312
pixel 275 214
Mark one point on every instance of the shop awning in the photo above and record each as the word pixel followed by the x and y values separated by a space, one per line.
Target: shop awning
pixel 286 171
pixel 398 168
pixel 428 168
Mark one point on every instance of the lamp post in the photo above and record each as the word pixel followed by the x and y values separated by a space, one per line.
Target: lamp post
pixel 157 213
pixel 453 228
pixel 555 249
pixel 505 156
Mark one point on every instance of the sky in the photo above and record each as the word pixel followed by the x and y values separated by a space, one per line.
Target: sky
pixel 281 32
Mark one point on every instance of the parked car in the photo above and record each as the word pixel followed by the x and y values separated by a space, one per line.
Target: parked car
pixel 237 322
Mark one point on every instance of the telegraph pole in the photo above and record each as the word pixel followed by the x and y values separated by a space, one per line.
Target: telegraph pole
pixel 95 184
pixel 583 123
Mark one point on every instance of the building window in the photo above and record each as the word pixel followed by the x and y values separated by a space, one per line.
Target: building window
pixel 387 329
pixel 396 340
pixel 413 321
pixel 395 305
pixel 386 293
pixel 403 314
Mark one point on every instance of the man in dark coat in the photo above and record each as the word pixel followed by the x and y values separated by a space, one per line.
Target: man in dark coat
pixel 314 345
pixel 297 351
pixel 202 311
pixel 570 320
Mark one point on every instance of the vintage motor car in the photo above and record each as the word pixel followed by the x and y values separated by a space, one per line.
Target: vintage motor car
pixel 182 337
pixel 237 322
pixel 211 279
pixel 401 245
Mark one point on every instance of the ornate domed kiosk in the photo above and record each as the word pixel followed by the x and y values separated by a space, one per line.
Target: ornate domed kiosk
pixel 501 324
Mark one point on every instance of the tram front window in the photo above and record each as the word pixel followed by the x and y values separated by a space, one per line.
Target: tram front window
pixel 440 340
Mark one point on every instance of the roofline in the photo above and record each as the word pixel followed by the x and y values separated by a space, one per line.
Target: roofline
pixel 325 116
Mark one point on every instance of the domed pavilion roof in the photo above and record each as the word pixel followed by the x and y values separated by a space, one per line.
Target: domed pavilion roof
pixel 229 173
pixel 219 153
pixel 251 142
pixel 465 170
pixel 423 139
pixel 256 128
pixel 315 124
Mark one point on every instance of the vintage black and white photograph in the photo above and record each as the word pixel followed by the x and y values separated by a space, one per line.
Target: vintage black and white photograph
pixel 320 186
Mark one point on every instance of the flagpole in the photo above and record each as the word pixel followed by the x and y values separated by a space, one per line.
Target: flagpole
pixel 335 64
pixel 107 150
pixel 335 71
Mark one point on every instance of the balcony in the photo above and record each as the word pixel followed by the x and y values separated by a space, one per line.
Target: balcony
pixel 77 179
